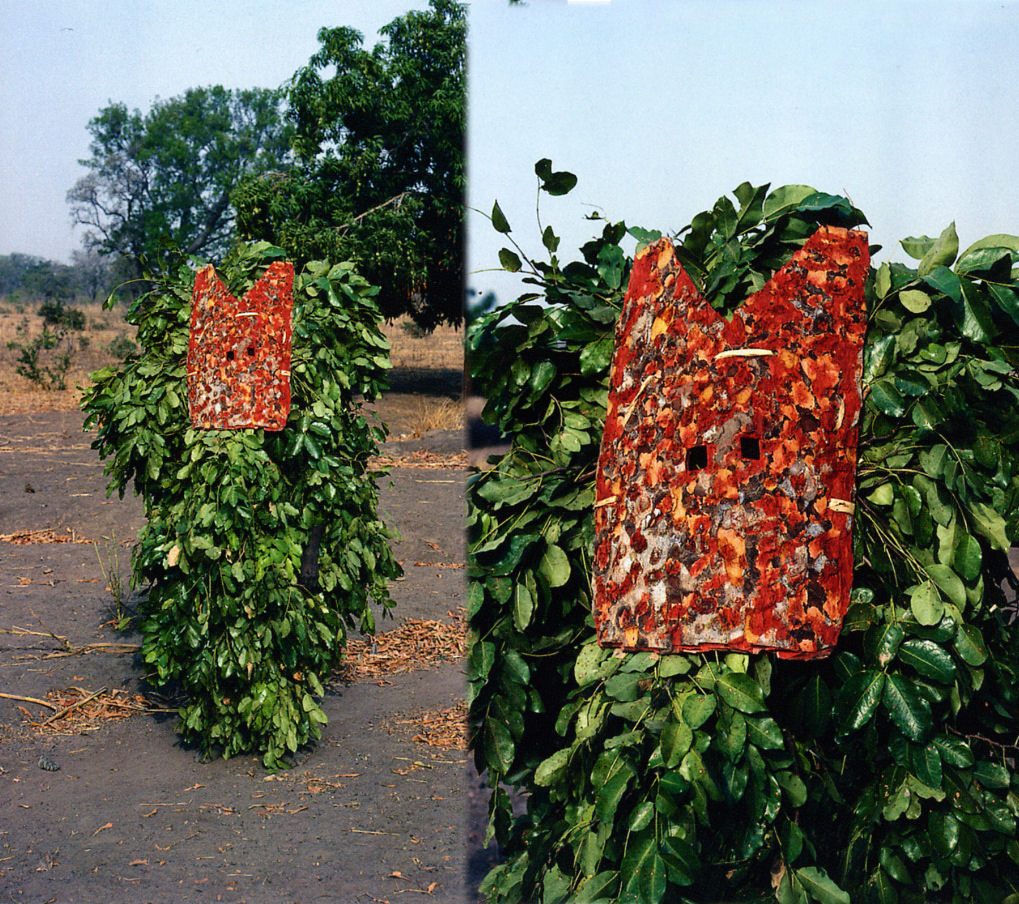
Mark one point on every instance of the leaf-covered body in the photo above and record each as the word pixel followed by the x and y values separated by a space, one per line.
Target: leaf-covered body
pixel 231 513
pixel 750 547
pixel 883 773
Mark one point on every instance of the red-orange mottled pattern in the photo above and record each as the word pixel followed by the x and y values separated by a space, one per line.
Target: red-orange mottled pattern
pixel 723 514
pixel 239 351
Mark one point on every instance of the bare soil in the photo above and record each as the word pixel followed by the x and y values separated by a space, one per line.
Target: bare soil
pixel 104 803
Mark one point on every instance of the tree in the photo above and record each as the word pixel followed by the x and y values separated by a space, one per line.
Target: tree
pixel 379 176
pixel 159 184
pixel 91 272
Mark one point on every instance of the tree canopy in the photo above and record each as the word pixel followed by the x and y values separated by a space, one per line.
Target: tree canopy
pixel 159 183
pixel 379 171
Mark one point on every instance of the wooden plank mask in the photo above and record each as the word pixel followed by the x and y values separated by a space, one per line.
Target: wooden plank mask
pixel 239 351
pixel 727 470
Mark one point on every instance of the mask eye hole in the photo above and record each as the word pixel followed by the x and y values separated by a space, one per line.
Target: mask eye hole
pixel 696 458
pixel 750 447
pixel 251 351
pixel 230 355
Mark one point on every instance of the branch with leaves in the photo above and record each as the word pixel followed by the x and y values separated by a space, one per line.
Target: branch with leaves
pixel 881 774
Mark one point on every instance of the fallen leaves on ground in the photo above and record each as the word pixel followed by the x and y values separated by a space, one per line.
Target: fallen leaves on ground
pixel 444 728
pixel 26 537
pixel 415 644
pixel 79 710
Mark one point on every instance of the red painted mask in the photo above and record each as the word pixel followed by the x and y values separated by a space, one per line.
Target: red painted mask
pixel 239 351
pixel 725 482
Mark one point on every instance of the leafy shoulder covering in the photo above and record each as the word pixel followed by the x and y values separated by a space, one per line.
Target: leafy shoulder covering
pixel 885 772
pixel 262 548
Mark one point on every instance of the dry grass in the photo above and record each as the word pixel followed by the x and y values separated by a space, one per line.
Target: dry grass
pixel 425 381
pixel 439 350
pixel 21 323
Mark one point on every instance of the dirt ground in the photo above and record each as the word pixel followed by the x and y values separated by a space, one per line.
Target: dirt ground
pixel 385 808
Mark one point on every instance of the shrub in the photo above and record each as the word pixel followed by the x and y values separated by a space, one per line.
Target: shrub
pixel 238 610
pixel 59 314
pixel 885 772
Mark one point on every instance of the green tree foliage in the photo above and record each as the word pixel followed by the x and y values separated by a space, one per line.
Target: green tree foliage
pixel 885 773
pixel 229 614
pixel 379 176
pixel 158 186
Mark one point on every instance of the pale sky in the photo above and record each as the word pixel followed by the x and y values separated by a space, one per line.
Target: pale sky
pixel 661 106
pixel 61 61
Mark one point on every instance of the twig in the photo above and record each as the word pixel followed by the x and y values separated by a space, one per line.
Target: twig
pixel 27 699
pixel 396 199
pixel 59 638
pixel 73 706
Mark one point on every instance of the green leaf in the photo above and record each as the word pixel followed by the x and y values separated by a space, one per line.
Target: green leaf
pixel 969 644
pixel 550 240
pixel 673 664
pixel 595 358
pixel 549 768
pixel 677 738
pixel 949 582
pixel 991 525
pixel 820 887
pixel 697 709
pixel 859 699
pixel 555 566
pixel 599 888
pixel 917 246
pixel 883 495
pixel 925 603
pixel 883 281
pixel 927 765
pixel 968 556
pixel 764 732
pixel 555 183
pixel 954 751
pixel 887 398
pixel 943 830
pixel 894 866
pixel 942 253
pixel 908 711
pixel 1006 299
pixel 785 199
pixel 593 662
pixel 880 889
pixel 943 280
pixel 682 859
pixel 929 659
pixel 992 775
pixel 523 607
pixel 914 300
pixel 499 221
pixel 509 260
pixel 999 242
pixel 500 747
pixel 740 691
pixel 882 642
pixel 611 792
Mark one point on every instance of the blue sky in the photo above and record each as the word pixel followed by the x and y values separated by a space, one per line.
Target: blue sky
pixel 661 106
pixel 61 61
